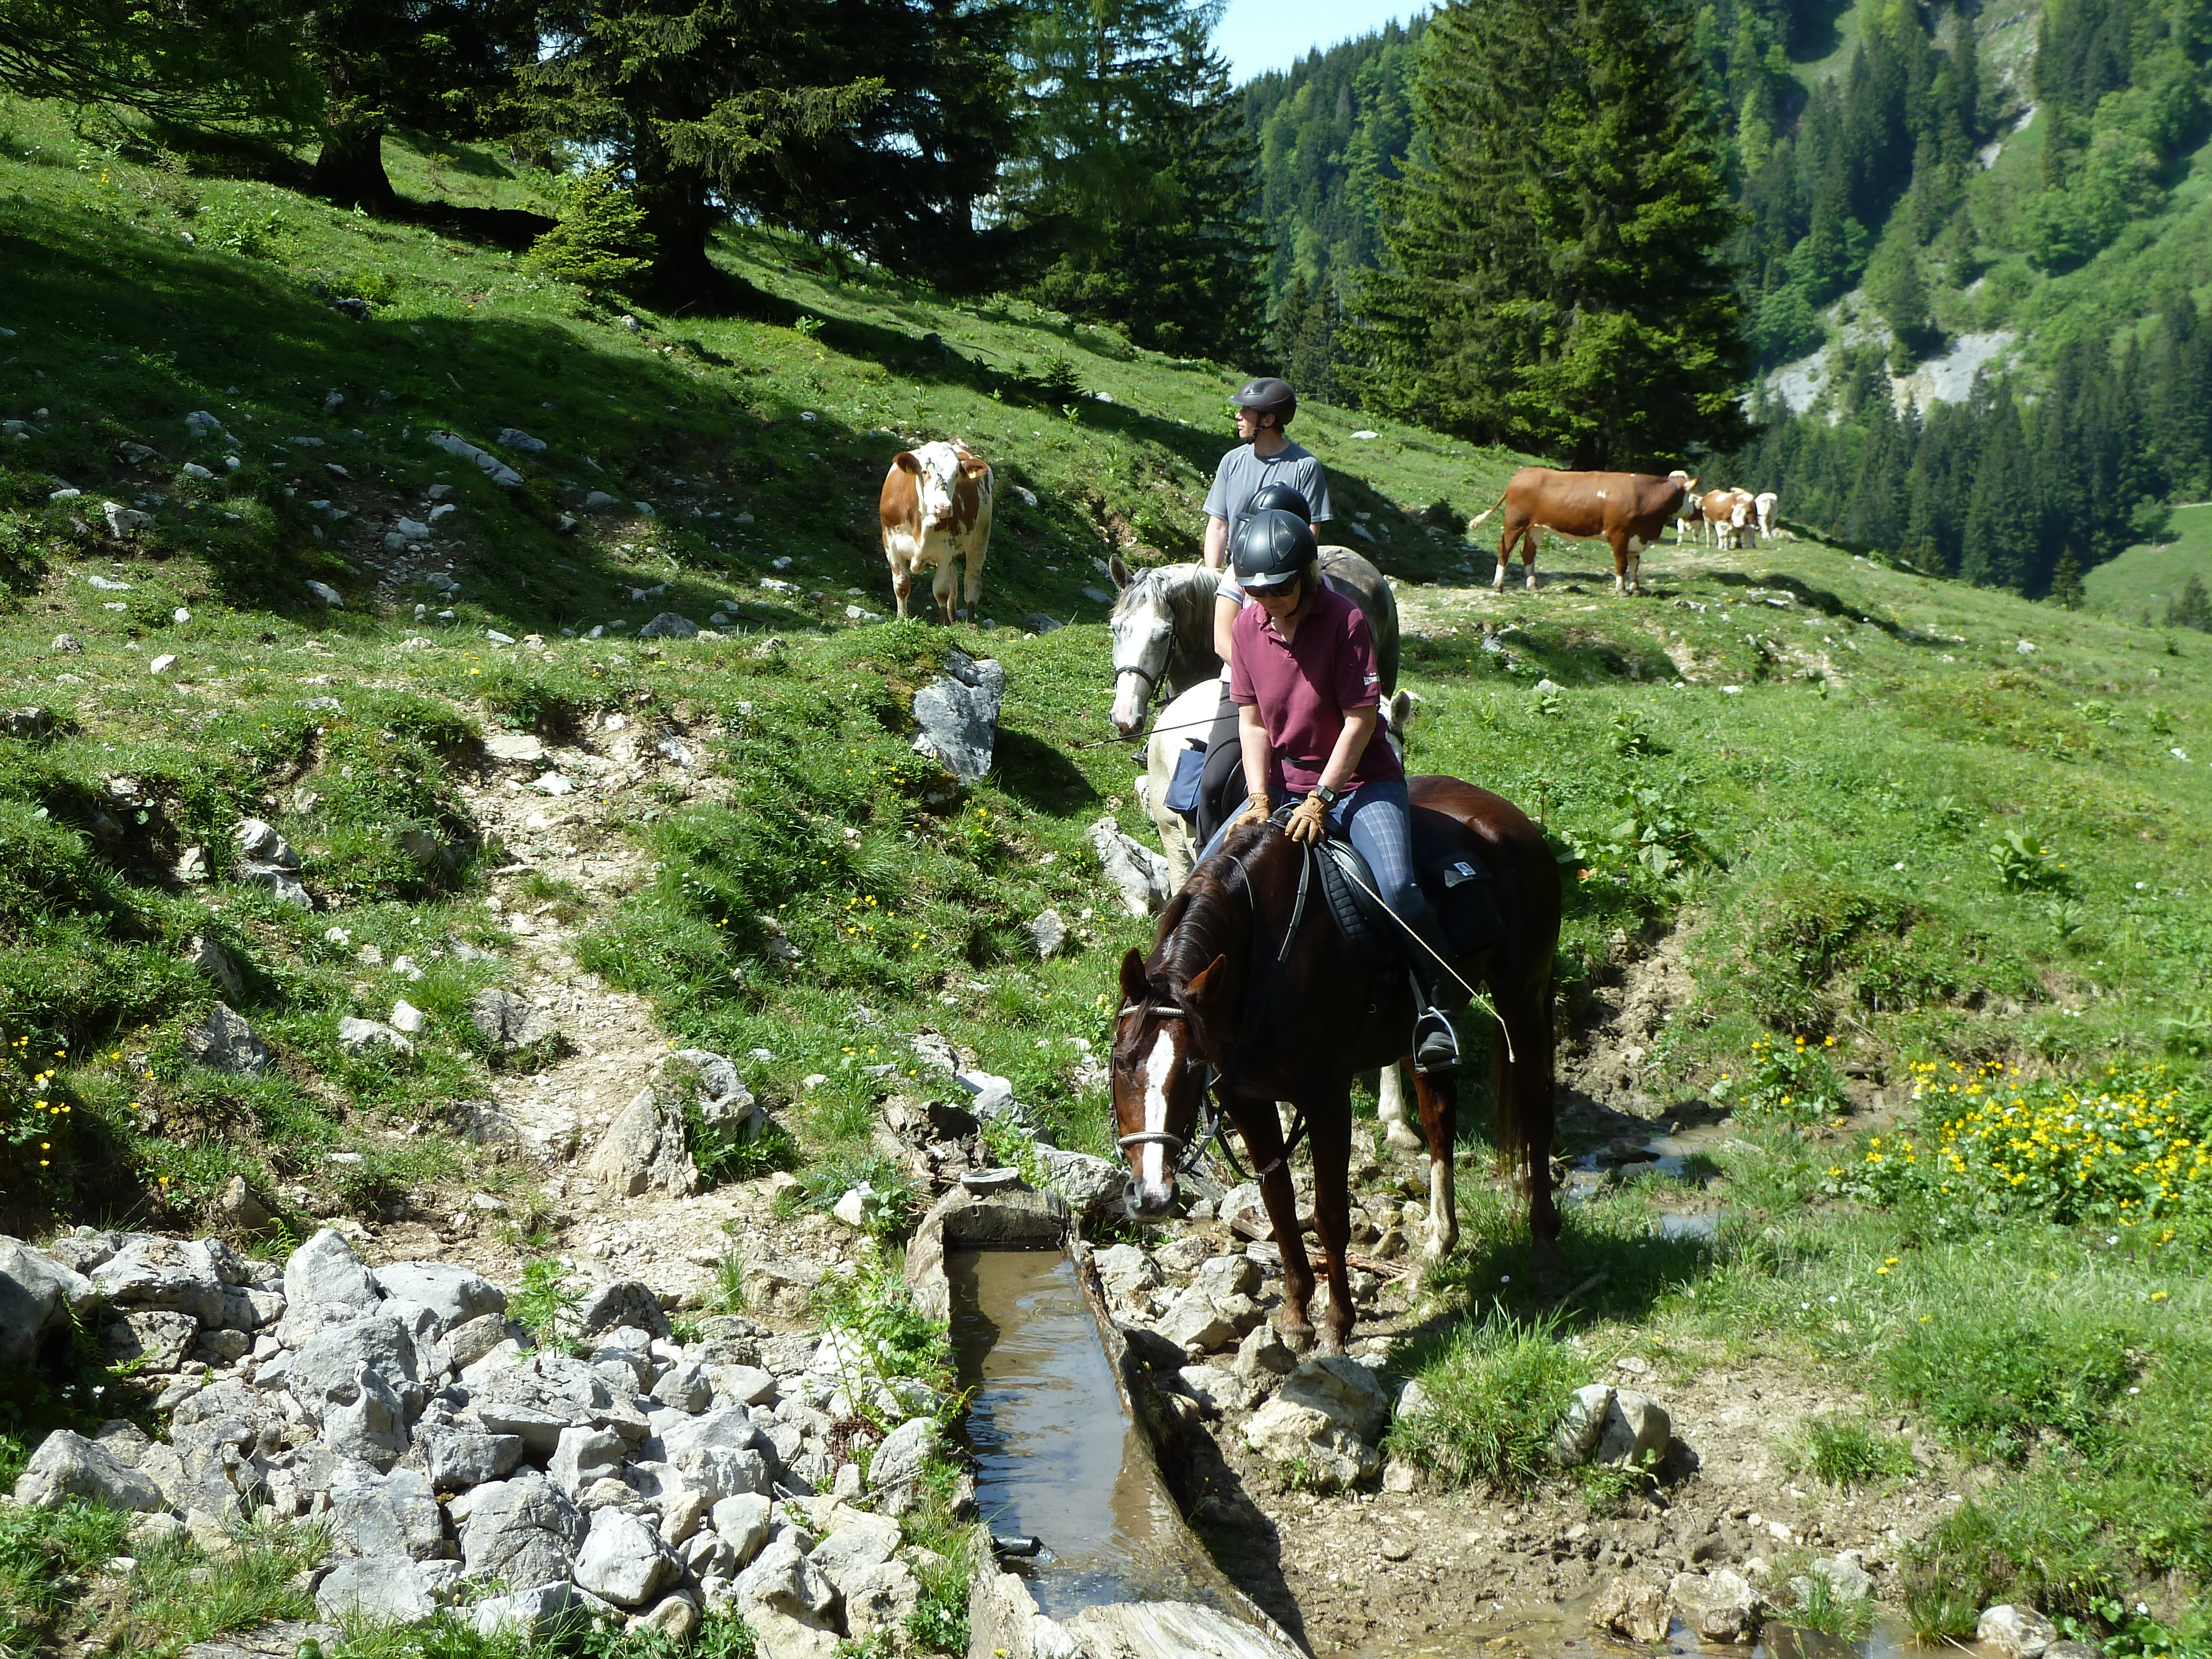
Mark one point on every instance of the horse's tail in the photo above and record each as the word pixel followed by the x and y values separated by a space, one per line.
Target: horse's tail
pixel 1522 1088
pixel 1475 523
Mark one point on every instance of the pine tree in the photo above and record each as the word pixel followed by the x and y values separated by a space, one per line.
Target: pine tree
pixel 1556 275
pixel 2002 520
pixel 2191 607
pixel 2066 590
pixel 875 122
pixel 186 66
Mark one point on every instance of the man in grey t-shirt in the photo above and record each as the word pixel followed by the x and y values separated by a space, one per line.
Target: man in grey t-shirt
pixel 1264 408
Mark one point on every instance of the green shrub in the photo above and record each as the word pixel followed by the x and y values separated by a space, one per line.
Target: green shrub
pixel 1850 1451
pixel 1494 1392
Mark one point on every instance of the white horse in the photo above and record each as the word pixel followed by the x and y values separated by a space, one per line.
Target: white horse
pixel 1162 629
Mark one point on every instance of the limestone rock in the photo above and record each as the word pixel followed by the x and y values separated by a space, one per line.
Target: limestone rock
pixel 1304 1440
pixel 781 1635
pixel 1609 1427
pixel 1089 1184
pixel 508 1022
pixel 67 1465
pixel 1633 1608
pixel 384 1590
pixel 1138 874
pixel 624 1559
pixel 2017 1631
pixel 325 1269
pixel 454 1293
pixel 1194 1324
pixel 524 1531
pixel 391 1515
pixel 782 1578
pixel 361 1037
pixel 223 1041
pixel 490 466
pixel 192 1276
pixel 958 715
pixel 266 859
pixel 622 1302
pixel 157 1337
pixel 669 625
pixel 722 1098
pixel 1048 933
pixel 1721 1606
pixel 526 1613
pixel 864 1542
pixel 37 1295
pixel 582 1455
pixel 326 1369
pixel 1263 1355
pixel 900 1458
pixel 742 1521
pixel 1127 1272
pixel 880 1598
pixel 644 1150
pixel 1342 1390
pixel 459 1459
pixel 216 965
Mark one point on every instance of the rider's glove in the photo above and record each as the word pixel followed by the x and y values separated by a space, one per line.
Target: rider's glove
pixel 1258 810
pixel 1307 820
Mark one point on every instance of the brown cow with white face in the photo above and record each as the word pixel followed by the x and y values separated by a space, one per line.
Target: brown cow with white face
pixel 1626 509
pixel 1729 512
pixel 936 511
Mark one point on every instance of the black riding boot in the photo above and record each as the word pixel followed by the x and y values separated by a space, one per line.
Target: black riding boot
pixel 1436 990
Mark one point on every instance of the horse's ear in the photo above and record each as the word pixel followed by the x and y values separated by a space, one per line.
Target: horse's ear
pixel 1120 571
pixel 1199 986
pixel 1402 709
pixel 1133 988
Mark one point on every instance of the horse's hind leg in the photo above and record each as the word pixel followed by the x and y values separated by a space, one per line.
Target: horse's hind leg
pixel 1328 1119
pixel 1439 1097
pixel 1521 1088
pixel 1390 1108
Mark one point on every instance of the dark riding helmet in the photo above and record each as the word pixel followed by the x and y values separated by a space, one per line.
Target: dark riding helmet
pixel 1268 396
pixel 1281 496
pixel 1273 548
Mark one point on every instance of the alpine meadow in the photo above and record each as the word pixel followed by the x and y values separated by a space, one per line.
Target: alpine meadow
pixel 572 1086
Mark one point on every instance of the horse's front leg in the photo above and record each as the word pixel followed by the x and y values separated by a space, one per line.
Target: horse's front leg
pixel 1263 1132
pixel 1390 1108
pixel 1329 1123
pixel 1439 1097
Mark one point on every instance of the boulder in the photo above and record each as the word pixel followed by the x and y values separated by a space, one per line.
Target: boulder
pixel 326 1369
pixel 782 1578
pixel 1127 1272
pixel 156 1338
pixel 1048 933
pixel 1611 1427
pixel 186 1276
pixel 1633 1608
pixel 624 1560
pixel 1306 1442
pixel 458 1459
pixel 223 1041
pixel 526 1613
pixel 1721 1606
pixel 721 1093
pixel 524 1531
pixel 37 1295
pixel 506 1022
pixel 454 1293
pixel 880 1598
pixel 583 1455
pixel 1089 1184
pixel 1138 874
pixel 669 625
pixel 1194 1324
pixel 359 1037
pixel 622 1302
pixel 266 859
pixel 675 1617
pixel 67 1465
pixel 904 1450
pixel 744 1523
pixel 468 1342
pixel 686 1388
pixel 325 1269
pixel 1341 1390
pixel 1262 1356
pixel 389 1515
pixel 644 1150
pixel 864 1542
pixel 958 715
pixel 388 1590
pixel 1225 1276
pixel 207 956
pixel 781 1635
pixel 371 1425
pixel 2016 1631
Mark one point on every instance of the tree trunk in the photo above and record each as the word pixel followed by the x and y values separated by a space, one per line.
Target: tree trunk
pixel 349 172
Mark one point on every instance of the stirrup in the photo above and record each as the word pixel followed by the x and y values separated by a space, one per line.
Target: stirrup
pixel 1436 1045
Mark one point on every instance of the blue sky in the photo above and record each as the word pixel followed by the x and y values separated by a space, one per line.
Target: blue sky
pixel 1259 35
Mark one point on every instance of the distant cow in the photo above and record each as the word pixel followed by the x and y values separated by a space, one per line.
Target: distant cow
pixel 1769 527
pixel 1689 522
pixel 1626 509
pixel 936 511
pixel 1729 512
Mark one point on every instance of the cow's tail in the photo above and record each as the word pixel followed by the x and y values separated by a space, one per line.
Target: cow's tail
pixel 1475 523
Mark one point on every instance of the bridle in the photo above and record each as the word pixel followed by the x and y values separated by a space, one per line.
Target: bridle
pixel 1185 1154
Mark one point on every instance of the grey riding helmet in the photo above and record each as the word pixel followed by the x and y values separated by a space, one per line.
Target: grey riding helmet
pixel 1268 396
pixel 1283 496
pixel 1273 548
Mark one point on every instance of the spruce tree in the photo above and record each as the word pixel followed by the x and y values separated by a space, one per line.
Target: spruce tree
pixel 183 65
pixel 2191 607
pixel 2002 520
pixel 2066 581
pixel 1556 277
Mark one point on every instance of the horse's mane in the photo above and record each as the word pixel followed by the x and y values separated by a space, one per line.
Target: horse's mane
pixel 1208 918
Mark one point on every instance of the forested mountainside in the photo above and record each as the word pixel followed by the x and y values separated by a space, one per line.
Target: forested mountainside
pixel 1974 248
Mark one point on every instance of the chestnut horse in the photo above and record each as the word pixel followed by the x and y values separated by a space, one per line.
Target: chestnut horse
pixel 1224 993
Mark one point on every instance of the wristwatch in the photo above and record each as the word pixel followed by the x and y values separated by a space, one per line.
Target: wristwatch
pixel 1326 796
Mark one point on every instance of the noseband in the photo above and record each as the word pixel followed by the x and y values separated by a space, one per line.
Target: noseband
pixel 1185 1154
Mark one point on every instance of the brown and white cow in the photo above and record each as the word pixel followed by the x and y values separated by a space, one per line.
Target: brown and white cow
pixel 1730 513
pixel 1626 509
pixel 936 511
pixel 1689 521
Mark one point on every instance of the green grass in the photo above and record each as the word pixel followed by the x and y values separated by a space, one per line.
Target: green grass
pixel 2139 583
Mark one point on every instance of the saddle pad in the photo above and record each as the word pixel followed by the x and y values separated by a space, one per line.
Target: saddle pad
pixel 1183 788
pixel 1449 864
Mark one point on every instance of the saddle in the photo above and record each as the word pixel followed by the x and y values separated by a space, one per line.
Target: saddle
pixel 1448 866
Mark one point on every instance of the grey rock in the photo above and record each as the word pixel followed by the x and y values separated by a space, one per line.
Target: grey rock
pixel 155 1337
pixel 458 1459
pixel 1301 1436
pixel 455 1294
pixel 470 1341
pixel 644 1150
pixel 37 1295
pixel 1262 1355
pixel 722 1098
pixel 958 715
pixel 1343 1390
pixel 393 1515
pixel 900 1458
pixel 1611 1427
pixel 216 965
pixel 880 1598
pixel 1089 1184
pixel 782 1635
pixel 1049 934
pixel 675 1616
pixel 1194 1324
pixel 624 1559
pixel 359 1037
pixel 513 437
pixel 743 1522
pixel 1140 875
pixel 858 1544
pixel 325 1370
pixel 240 1204
pixel 527 1614
pixel 1848 1580
pixel 223 1041
pixel 782 1577
pixel 584 1455
pixel 370 1425
pixel 599 502
pixel 80 1252
pixel 67 1465
pixel 1721 1606
pixel 324 592
pixel 506 1021
pixel 490 466
pixel 1127 1272
pixel 1633 1608
pixel 1218 1389
pixel 1228 1275
pixel 668 625
pixel 524 1530
pixel 391 1590
pixel 685 1388
pixel 179 1275
pixel 266 859
pixel 622 1302
pixel 2016 1631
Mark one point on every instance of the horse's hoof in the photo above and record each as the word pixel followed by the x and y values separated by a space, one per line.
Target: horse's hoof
pixel 1405 1138
pixel 1298 1339
pixel 1328 1343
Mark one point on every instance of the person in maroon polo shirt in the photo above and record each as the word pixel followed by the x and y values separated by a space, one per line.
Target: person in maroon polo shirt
pixel 1304 678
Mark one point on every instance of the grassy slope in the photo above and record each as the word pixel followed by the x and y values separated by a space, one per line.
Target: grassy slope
pixel 2140 581
pixel 1837 828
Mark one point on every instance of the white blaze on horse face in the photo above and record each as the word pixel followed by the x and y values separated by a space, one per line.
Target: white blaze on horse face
pixel 1154 1190
pixel 1141 638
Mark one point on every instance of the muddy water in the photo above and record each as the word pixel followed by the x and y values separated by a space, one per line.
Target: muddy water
pixel 1056 1459
pixel 1564 1632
